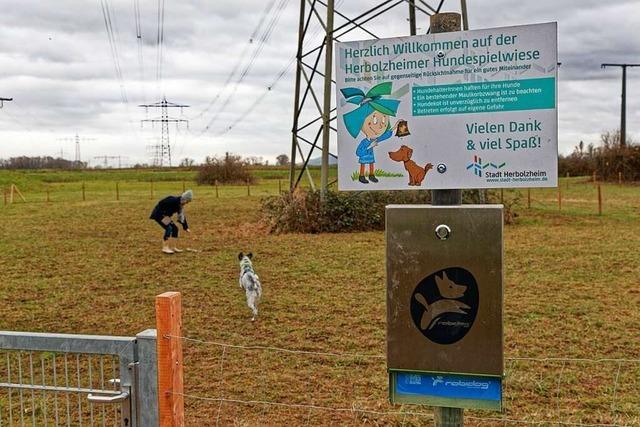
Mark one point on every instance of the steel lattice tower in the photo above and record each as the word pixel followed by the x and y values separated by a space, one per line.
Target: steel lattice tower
pixel 162 151
pixel 313 112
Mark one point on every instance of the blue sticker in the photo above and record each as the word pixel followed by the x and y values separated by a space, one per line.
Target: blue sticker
pixel 448 386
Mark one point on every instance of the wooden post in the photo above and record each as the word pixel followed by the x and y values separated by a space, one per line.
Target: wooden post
pixel 594 177
pixel 444 23
pixel 559 198
pixel 528 198
pixel 502 196
pixel 279 186
pixel 48 198
pixel 217 194
pixel 184 187
pixel 619 178
pixel 13 189
pixel 151 188
pixel 169 347
pixel 117 191
pixel 83 195
pixel 599 200
pixel 248 188
pixel 4 192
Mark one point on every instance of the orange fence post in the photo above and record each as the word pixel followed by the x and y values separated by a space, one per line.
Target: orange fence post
pixel 169 347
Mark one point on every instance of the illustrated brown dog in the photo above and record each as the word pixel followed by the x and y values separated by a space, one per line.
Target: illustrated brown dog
pixel 416 173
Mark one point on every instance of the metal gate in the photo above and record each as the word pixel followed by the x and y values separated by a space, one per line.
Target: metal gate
pixel 64 380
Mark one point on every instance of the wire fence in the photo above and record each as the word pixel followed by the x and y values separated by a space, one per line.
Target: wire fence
pixel 551 400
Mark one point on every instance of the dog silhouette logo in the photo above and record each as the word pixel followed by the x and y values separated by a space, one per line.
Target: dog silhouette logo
pixel 444 305
pixel 437 380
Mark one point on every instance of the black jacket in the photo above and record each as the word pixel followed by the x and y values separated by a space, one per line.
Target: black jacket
pixel 168 207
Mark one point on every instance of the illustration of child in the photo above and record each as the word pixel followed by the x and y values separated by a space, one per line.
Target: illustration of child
pixel 372 119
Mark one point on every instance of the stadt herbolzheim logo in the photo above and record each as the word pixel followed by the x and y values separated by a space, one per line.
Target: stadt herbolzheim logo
pixel 444 305
pixel 477 167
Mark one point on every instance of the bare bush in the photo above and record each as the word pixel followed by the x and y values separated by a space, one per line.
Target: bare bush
pixel 230 169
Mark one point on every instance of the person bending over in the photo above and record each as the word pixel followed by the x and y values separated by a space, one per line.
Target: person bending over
pixel 162 214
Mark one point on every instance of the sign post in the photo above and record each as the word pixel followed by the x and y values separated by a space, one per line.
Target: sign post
pixel 447 111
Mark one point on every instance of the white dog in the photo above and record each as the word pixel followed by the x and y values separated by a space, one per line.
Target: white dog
pixel 250 282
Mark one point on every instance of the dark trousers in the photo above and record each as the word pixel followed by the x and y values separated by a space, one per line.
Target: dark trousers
pixel 170 230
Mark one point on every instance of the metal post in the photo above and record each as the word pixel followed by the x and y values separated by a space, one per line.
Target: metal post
pixel 326 112
pixel 296 99
pixel 444 23
pixel 465 17
pixel 148 378
pixel 623 109
pixel 412 17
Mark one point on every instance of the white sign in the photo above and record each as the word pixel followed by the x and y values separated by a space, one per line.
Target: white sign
pixel 473 109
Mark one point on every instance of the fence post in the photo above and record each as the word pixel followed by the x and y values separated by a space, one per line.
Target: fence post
pixel 169 347
pixel 279 186
pixel 4 192
pixel 83 195
pixel 184 187
pixel 248 188
pixel 48 198
pixel 528 198
pixel 217 195
pixel 117 191
pixel 594 177
pixel 559 198
pixel 502 196
pixel 619 178
pixel 599 200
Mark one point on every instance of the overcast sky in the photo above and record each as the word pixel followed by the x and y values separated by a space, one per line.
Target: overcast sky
pixel 57 63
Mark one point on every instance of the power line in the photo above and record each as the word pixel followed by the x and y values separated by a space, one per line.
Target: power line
pixel 160 43
pixel 140 44
pixel 238 60
pixel 113 46
pixel 266 34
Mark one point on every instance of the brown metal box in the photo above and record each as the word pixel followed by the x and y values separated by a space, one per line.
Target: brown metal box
pixel 444 293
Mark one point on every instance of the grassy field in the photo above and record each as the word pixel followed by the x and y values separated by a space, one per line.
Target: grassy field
pixel 572 290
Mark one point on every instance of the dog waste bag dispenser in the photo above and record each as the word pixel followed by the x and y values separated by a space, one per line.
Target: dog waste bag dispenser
pixel 444 305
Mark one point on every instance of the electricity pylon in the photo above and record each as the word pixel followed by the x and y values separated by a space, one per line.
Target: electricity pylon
pixel 162 156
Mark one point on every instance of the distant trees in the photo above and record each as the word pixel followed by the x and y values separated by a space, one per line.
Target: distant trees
pixel 231 168
pixel 282 160
pixel 187 162
pixel 606 160
pixel 42 162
